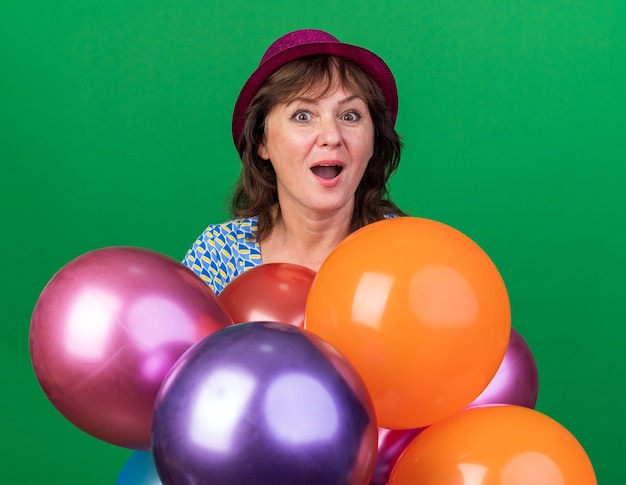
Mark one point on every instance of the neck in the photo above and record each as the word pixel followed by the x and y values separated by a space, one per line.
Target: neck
pixel 305 239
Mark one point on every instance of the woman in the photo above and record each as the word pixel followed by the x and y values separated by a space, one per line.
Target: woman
pixel 314 127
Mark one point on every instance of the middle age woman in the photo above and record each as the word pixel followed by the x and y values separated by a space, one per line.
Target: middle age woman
pixel 314 127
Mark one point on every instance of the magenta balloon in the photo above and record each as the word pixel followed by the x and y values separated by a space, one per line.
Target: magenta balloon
pixel 391 444
pixel 516 381
pixel 105 331
pixel 263 403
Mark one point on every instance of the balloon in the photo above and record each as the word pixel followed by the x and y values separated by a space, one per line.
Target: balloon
pixel 273 292
pixel 495 445
pixel 105 331
pixel 421 312
pixel 265 403
pixel 516 381
pixel 391 444
pixel 139 469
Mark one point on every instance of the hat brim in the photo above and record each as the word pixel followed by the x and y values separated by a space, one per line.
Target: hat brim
pixel 371 64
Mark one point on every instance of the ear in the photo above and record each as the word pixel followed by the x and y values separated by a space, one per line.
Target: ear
pixel 262 152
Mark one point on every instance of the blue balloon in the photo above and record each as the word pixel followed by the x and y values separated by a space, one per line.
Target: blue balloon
pixel 139 469
pixel 263 403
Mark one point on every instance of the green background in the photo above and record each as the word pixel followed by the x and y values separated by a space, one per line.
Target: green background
pixel 115 130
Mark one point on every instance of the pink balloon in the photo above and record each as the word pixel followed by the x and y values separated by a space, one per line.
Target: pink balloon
pixel 391 444
pixel 516 381
pixel 105 331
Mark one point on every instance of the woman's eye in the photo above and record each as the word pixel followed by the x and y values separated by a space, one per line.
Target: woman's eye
pixel 351 116
pixel 301 116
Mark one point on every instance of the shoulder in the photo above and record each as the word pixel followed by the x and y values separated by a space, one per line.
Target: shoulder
pixel 226 233
pixel 223 251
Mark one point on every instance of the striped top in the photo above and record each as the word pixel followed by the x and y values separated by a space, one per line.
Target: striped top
pixel 224 251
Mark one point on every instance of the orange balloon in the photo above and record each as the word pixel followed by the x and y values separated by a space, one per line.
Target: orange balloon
pixel 495 445
pixel 421 312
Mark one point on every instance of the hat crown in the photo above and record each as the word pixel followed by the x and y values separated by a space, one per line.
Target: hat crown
pixel 296 38
pixel 308 42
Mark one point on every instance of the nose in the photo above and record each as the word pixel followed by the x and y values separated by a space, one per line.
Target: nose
pixel 329 133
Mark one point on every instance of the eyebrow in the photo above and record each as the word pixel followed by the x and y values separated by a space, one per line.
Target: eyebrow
pixel 304 99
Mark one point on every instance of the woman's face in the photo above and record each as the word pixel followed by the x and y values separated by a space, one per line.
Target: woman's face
pixel 319 149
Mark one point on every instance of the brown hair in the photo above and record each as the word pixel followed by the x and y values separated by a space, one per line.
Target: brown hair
pixel 255 192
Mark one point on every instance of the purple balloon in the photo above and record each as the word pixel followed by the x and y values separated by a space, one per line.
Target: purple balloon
pixel 516 381
pixel 105 332
pixel 263 403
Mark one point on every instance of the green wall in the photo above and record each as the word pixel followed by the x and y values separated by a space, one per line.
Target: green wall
pixel 115 130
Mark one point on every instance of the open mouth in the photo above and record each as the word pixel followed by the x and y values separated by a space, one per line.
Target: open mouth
pixel 327 171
